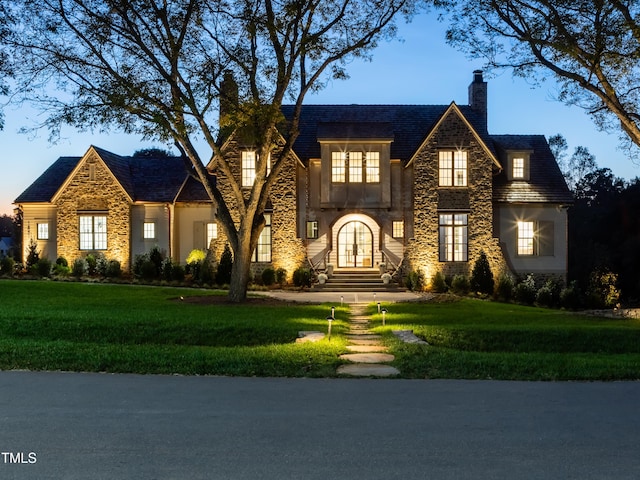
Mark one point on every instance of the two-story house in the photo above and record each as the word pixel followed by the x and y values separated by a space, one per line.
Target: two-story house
pixel 422 186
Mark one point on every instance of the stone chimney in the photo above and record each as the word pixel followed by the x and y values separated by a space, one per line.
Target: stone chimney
pixel 228 101
pixel 478 97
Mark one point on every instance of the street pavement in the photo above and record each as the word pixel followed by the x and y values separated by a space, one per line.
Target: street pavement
pixel 101 426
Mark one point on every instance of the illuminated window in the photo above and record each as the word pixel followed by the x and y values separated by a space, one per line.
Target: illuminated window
pixel 453 237
pixel 338 167
pixel 312 229
pixel 518 167
pixel 452 168
pixel 43 231
pixel 149 230
pixel 248 168
pixel 373 167
pixel 398 229
pixel 93 232
pixel 525 238
pixel 263 250
pixel 212 233
pixel 355 167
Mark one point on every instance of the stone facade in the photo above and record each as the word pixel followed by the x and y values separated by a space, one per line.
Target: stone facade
pixel 429 200
pixel 93 190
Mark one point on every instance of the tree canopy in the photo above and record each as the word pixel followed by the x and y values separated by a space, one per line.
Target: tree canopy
pixel 157 68
pixel 591 47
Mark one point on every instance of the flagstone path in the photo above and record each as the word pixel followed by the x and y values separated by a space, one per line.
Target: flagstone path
pixel 367 355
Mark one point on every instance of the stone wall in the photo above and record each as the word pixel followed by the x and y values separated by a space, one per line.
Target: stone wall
pixel 288 249
pixel 429 200
pixel 94 189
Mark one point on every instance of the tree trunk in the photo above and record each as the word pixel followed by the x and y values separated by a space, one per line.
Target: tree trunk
pixel 240 272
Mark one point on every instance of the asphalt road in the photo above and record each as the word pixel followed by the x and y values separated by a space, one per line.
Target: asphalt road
pixel 100 426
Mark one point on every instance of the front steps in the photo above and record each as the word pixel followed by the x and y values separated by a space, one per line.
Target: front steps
pixel 356 281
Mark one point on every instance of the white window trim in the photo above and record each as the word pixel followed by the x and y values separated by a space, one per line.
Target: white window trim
pixel 145 230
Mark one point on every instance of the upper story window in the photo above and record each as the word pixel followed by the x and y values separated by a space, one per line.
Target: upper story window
pixel 355 167
pixel 452 168
pixel 518 168
pixel 249 161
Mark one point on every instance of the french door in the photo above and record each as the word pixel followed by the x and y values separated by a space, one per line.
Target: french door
pixel 355 246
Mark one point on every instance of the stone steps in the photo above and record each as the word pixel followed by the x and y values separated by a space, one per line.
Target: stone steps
pixel 367 357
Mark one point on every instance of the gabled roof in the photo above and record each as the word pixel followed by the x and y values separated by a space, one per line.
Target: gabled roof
pixel 545 184
pixel 144 179
pixel 47 184
pixel 407 125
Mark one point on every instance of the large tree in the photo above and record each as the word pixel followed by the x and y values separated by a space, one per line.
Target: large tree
pixel 156 68
pixel 591 47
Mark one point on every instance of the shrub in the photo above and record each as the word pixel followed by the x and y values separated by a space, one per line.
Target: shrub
pixel 223 275
pixel 167 269
pixel 92 264
pixel 79 268
pixel 42 267
pixel 549 294
pixel 415 281
pixel 481 276
pixel 33 254
pixel 156 257
pixel 504 288
pixel 114 269
pixel 177 272
pixel 102 264
pixel 148 270
pixel 268 276
pixel 302 277
pixel 525 291
pixel 571 296
pixel 138 262
pixel 438 283
pixel 603 291
pixel 62 261
pixel 281 276
pixel 460 284
pixel 196 256
pixel 7 264
pixel 61 270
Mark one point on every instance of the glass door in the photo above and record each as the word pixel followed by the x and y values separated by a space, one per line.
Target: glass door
pixel 355 246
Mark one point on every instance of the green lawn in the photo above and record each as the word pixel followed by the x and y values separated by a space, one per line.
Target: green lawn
pixel 480 339
pixel 47 325
pixel 121 328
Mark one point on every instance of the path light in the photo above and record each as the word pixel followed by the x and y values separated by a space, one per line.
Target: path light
pixel 374 296
pixel 333 312
pixel 378 307
pixel 384 314
pixel 341 299
pixel 329 319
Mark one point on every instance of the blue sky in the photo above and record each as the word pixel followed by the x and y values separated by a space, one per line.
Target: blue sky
pixel 420 69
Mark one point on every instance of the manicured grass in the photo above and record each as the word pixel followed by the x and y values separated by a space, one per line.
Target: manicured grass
pixel 47 325
pixel 478 339
pixel 120 328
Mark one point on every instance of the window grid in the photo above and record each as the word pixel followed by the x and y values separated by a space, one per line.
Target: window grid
pixel 43 231
pixel 248 168
pixel 398 229
pixel 452 167
pixel 338 167
pixel 518 167
pixel 453 237
pixel 525 238
pixel 149 230
pixel 312 229
pixel 263 249
pixel 373 167
pixel 212 233
pixel 93 232
pixel 355 167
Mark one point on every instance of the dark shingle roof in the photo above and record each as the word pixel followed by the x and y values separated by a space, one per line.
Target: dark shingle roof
pixel 407 125
pixel 47 184
pixel 545 184
pixel 145 179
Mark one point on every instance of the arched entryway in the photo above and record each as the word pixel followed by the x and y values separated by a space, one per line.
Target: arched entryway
pixel 355 245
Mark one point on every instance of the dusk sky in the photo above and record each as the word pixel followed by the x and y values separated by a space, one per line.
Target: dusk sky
pixel 422 69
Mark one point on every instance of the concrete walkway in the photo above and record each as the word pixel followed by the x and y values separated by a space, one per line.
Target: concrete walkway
pixel 367 355
pixel 337 298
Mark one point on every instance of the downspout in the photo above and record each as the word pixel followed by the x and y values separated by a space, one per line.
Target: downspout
pixel 171 209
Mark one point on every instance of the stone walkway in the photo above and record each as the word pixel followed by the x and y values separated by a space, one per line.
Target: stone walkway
pixel 367 355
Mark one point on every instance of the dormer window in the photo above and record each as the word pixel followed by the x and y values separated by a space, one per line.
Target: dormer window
pixel 518 166
pixel 356 167
pixel 249 161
